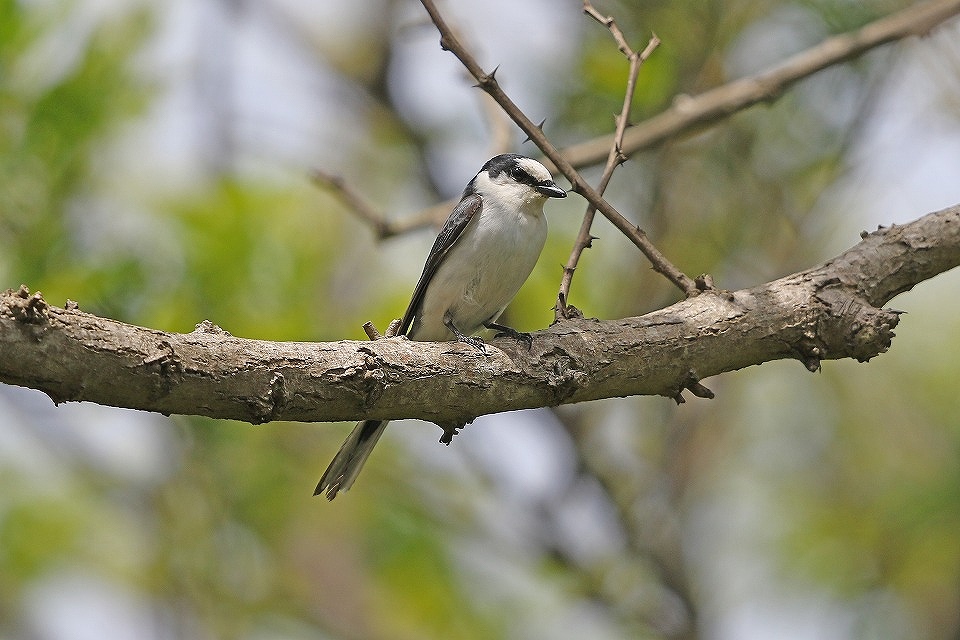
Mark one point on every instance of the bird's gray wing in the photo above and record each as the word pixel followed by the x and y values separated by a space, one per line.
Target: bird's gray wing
pixel 452 229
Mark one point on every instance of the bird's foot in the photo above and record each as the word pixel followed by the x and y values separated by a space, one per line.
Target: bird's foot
pixel 509 332
pixel 473 341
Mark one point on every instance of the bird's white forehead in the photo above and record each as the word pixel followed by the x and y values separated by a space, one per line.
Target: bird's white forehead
pixel 536 170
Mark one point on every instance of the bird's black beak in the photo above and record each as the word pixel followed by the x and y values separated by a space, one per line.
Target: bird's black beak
pixel 550 189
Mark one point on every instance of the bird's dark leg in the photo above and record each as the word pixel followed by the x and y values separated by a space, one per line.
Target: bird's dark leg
pixel 502 330
pixel 473 341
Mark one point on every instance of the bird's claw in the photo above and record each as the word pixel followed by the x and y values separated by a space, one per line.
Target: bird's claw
pixel 475 342
pixel 519 336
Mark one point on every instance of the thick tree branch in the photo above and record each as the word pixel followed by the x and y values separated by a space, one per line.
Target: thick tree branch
pixel 693 113
pixel 828 312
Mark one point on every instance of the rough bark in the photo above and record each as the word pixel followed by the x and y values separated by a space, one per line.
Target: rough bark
pixel 828 312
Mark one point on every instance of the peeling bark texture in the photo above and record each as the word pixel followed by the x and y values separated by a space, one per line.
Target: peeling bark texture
pixel 831 311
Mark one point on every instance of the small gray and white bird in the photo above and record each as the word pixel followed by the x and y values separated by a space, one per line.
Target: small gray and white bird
pixel 483 254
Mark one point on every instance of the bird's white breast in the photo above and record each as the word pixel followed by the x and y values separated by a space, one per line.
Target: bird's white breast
pixel 484 269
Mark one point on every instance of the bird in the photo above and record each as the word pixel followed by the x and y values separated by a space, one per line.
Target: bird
pixel 483 254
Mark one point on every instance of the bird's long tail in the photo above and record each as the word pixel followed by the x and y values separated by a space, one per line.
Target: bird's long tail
pixel 346 465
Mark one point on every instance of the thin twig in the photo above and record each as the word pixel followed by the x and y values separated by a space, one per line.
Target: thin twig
pixel 352 199
pixel 689 114
pixel 488 83
pixel 366 211
pixel 611 26
pixel 615 155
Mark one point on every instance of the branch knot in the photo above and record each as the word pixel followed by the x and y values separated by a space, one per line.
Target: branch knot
pixel 30 309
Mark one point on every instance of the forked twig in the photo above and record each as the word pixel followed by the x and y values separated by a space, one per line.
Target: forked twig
pixel 488 83
pixel 615 157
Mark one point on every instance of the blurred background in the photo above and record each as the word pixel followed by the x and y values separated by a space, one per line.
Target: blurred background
pixel 155 163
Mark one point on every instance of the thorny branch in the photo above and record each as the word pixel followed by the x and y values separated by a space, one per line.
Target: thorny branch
pixel 694 113
pixel 615 156
pixel 488 82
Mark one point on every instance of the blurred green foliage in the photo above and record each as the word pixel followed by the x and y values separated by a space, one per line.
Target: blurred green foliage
pixel 51 121
pixel 852 474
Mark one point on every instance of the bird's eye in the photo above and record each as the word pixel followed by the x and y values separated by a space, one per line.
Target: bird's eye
pixel 517 174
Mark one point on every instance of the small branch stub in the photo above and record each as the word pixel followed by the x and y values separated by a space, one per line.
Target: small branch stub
pixel 31 309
